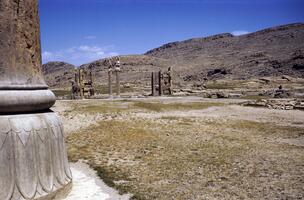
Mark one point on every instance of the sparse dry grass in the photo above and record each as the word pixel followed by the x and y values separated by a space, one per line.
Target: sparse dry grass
pixel 185 158
pixel 103 89
pixel 158 106
pixel 62 93
pixel 121 106
pixel 105 108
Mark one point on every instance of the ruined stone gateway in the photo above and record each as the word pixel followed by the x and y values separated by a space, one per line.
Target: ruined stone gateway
pixel 33 159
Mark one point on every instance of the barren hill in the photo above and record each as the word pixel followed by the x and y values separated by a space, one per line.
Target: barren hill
pixel 271 52
pixel 58 74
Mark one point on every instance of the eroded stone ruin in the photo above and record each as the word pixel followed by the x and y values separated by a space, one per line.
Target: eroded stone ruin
pixel 33 157
pixel 162 82
pixel 82 86
pixel 113 65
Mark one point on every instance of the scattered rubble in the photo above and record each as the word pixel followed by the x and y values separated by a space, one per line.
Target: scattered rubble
pixel 278 104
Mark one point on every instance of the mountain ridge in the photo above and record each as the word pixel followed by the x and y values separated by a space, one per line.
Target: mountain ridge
pixel 273 51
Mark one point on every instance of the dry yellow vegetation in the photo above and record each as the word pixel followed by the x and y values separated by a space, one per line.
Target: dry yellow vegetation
pixel 193 150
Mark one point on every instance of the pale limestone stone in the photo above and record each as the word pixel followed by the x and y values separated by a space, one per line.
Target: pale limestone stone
pixel 33 158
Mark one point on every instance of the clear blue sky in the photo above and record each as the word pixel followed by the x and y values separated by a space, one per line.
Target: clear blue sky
pixel 80 31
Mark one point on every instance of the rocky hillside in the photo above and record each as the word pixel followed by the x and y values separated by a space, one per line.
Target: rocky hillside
pixel 271 52
pixel 135 68
pixel 58 74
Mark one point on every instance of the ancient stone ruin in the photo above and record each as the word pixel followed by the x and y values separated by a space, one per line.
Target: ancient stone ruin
pixel 82 86
pixel 113 65
pixel 161 82
pixel 33 157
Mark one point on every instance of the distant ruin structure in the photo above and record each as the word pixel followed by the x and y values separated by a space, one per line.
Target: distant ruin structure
pixel 153 83
pixel 110 73
pixel 113 66
pixel 82 86
pixel 162 83
pixel 117 73
pixel 33 156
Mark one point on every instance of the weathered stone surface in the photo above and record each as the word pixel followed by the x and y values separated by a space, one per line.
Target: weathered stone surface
pixel 20 59
pixel 20 45
pixel 277 104
pixel 33 158
pixel 17 101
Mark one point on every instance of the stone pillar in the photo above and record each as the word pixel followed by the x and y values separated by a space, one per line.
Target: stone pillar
pixel 160 89
pixel 91 84
pixel 76 77
pixel 153 83
pixel 110 82
pixel 170 81
pixel 33 157
pixel 81 85
pixel 117 71
pixel 91 76
pixel 117 83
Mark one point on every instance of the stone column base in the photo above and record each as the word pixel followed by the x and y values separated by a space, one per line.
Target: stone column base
pixel 60 194
pixel 33 158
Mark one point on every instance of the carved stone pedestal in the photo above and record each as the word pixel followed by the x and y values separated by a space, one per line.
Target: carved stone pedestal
pixel 33 156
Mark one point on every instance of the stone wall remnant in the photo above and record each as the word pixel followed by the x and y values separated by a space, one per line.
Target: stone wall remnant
pixel 82 86
pixel 162 82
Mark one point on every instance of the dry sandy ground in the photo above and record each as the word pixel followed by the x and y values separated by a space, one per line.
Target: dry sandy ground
pixel 188 148
pixel 75 121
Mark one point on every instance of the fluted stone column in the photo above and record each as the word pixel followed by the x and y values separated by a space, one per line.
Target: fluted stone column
pixel 153 83
pixel 110 90
pixel 33 158
pixel 160 86
pixel 117 71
